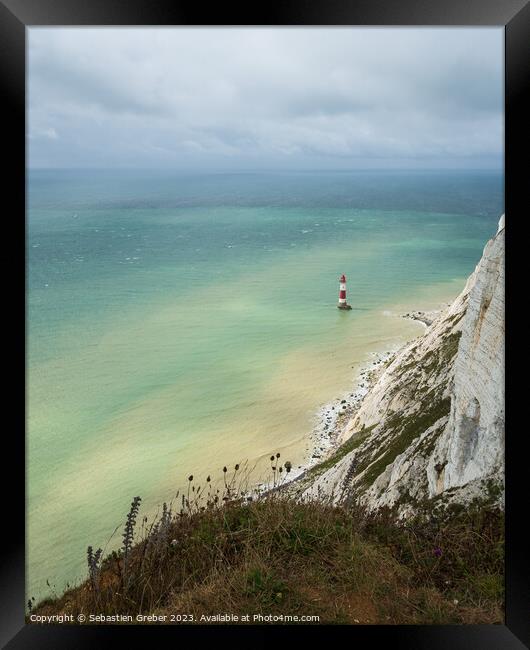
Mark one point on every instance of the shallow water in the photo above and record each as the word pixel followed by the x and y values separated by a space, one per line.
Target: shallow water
pixel 179 323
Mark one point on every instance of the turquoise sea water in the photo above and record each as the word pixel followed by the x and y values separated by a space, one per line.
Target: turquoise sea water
pixel 180 322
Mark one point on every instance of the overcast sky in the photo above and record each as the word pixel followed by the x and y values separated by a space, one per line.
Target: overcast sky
pixel 277 98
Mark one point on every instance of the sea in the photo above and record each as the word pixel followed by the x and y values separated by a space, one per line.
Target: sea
pixel 178 322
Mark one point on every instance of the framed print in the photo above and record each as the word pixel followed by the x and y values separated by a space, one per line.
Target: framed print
pixel 265 323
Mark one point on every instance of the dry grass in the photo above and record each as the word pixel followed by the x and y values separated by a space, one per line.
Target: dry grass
pixel 226 553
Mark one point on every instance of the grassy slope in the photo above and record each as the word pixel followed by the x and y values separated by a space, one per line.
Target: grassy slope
pixel 277 556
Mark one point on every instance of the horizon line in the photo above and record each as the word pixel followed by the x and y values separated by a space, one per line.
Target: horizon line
pixel 272 169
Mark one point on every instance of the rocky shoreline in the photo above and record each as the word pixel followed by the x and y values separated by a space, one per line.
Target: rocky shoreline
pixel 329 422
pixel 425 317
pixel 330 419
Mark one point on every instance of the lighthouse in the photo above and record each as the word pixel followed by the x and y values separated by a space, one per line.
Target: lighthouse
pixel 342 293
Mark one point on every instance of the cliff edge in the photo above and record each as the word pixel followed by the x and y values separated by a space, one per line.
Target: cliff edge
pixel 431 429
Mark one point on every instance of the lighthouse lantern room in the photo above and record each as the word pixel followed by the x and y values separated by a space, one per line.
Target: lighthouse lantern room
pixel 342 293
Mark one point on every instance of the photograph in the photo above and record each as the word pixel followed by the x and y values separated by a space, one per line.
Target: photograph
pixel 265 325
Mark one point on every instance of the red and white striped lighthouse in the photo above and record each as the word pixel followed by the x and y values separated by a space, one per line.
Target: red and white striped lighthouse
pixel 342 293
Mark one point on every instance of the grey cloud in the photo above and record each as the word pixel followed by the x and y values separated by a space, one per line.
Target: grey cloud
pixel 265 97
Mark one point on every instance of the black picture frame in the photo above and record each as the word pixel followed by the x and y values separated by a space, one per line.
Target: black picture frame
pixel 514 15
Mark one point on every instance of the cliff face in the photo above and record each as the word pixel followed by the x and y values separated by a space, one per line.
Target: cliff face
pixel 432 425
pixel 472 445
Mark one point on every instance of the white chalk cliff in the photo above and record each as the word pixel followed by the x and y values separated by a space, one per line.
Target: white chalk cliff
pixel 431 428
pixel 472 445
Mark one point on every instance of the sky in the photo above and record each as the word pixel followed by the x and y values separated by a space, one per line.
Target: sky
pixel 265 98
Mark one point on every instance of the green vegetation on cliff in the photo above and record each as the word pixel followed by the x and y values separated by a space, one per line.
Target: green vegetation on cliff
pixel 276 555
